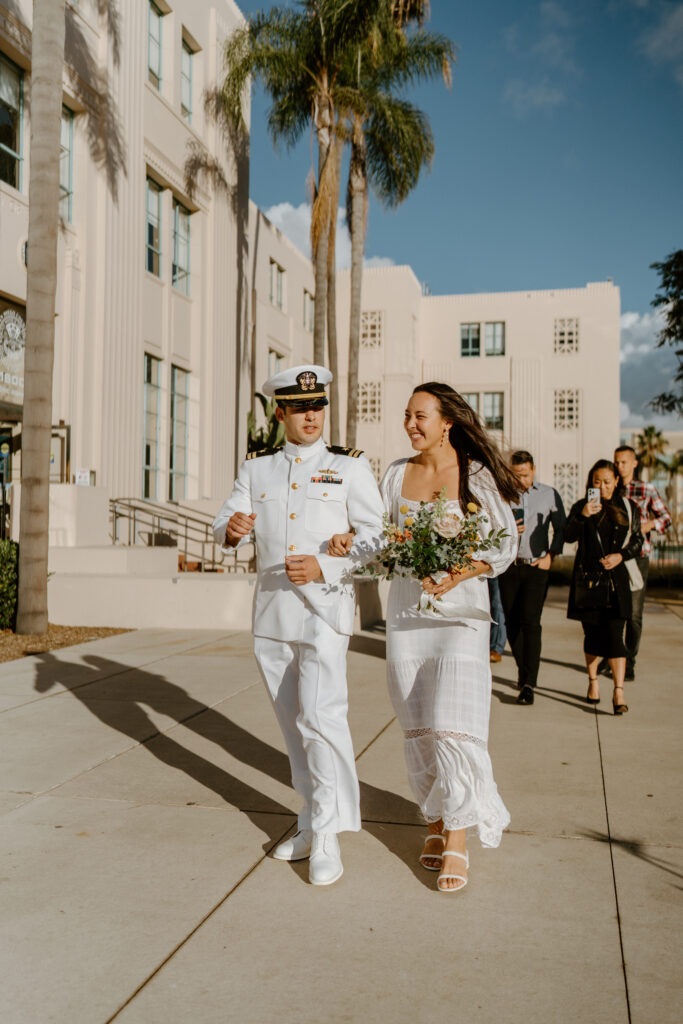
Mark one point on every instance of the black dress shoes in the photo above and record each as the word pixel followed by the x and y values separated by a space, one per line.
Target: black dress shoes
pixel 526 695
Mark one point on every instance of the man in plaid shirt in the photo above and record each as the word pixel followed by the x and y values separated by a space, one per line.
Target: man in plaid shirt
pixel 654 515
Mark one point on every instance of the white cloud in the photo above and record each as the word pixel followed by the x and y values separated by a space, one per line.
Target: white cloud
pixel 546 46
pixel 555 14
pixel 646 370
pixel 379 261
pixel 664 43
pixel 525 97
pixel 295 224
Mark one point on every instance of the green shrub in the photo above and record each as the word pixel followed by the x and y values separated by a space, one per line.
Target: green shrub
pixel 9 556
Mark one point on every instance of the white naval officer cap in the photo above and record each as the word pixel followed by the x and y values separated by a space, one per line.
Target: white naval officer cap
pixel 299 386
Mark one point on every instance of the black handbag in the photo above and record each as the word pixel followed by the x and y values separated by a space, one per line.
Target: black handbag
pixel 592 589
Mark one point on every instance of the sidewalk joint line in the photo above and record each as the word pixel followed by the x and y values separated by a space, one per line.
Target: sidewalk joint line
pixel 374 740
pixel 196 928
pixel 614 875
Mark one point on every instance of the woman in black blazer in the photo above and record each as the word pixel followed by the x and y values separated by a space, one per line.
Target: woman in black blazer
pixel 602 529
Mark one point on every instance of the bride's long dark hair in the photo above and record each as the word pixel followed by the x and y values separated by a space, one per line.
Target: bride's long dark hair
pixel 471 441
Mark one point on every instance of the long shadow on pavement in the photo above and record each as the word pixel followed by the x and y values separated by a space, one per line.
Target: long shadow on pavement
pixel 134 686
pixel 637 848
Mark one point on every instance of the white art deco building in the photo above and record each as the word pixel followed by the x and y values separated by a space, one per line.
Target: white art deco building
pixel 173 305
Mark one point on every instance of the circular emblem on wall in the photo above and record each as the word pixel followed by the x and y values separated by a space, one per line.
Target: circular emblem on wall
pixel 12 332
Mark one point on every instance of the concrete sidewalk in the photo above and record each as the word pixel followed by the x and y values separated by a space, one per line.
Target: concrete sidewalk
pixel 144 783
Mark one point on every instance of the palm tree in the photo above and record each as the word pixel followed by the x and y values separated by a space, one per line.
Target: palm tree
pixel 650 446
pixel 391 141
pixel 43 221
pixel 297 56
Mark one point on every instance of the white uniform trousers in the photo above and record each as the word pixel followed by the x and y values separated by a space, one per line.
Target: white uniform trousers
pixel 306 681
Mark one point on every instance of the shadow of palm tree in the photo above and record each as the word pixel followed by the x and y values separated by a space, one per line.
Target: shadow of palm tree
pixel 637 848
pixel 103 685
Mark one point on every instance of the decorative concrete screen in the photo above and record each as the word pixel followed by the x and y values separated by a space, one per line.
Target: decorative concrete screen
pixel 370 401
pixel 371 328
pixel 567 409
pixel 567 335
pixel 566 481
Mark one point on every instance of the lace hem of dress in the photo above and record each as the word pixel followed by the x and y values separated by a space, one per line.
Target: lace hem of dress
pixel 444 734
pixel 489 831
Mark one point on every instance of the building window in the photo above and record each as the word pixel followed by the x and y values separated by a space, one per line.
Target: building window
pixel 309 311
pixel 186 60
pixel 469 340
pixel 472 399
pixel 371 328
pixel 566 409
pixel 493 410
pixel 376 467
pixel 11 122
pixel 178 465
pixel 275 362
pixel 566 335
pixel 153 239
pixel 277 278
pixel 154 17
pixel 151 427
pixel 566 481
pixel 370 401
pixel 66 165
pixel 181 248
pixel 494 339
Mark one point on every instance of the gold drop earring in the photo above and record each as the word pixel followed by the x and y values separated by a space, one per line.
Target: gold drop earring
pixel 443 437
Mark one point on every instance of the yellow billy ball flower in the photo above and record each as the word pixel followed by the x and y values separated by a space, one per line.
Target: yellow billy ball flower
pixel 404 509
pixel 471 507
pixel 408 521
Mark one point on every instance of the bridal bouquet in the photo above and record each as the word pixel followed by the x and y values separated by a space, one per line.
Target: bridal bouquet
pixel 433 542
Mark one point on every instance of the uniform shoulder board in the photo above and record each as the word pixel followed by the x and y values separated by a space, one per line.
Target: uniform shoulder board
pixel 264 451
pixel 337 449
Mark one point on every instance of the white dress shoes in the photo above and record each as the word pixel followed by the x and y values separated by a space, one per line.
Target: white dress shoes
pixel 297 847
pixel 325 865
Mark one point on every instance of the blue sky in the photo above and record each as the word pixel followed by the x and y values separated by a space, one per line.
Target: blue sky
pixel 558 161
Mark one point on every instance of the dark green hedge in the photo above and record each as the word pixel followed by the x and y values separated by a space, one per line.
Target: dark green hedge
pixel 9 556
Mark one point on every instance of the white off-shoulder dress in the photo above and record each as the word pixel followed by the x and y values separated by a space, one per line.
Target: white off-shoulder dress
pixel 439 675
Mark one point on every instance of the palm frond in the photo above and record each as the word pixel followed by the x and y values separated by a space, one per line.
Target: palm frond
pixel 399 144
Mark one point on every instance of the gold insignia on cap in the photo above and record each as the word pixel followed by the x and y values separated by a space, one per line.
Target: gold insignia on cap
pixel 307 380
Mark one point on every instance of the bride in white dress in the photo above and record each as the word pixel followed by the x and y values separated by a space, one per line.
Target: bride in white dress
pixel 438 669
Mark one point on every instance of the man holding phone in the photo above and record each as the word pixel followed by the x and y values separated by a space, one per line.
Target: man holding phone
pixel 294 498
pixel 523 587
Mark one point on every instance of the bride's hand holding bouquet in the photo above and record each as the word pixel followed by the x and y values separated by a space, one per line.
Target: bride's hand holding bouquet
pixel 435 546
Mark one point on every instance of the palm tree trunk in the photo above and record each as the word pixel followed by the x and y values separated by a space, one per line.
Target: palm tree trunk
pixel 320 224
pixel 335 435
pixel 357 199
pixel 46 112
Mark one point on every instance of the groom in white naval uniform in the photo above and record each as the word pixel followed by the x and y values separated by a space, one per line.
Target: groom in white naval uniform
pixel 294 498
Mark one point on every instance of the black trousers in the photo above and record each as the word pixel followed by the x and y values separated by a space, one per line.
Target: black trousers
pixel 523 590
pixel 634 625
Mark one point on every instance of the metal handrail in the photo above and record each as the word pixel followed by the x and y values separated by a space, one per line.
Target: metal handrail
pixel 154 524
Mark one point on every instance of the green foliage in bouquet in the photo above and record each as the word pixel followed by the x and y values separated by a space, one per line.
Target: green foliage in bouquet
pixel 8 583
pixel 433 540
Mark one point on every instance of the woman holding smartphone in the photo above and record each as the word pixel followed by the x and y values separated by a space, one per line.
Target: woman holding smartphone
pixel 607 528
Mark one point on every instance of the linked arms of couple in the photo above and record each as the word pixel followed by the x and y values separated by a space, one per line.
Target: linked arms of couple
pixel 300 569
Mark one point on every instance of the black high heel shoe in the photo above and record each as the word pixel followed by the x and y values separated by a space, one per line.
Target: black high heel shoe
pixel 591 700
pixel 619 709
